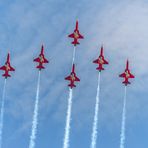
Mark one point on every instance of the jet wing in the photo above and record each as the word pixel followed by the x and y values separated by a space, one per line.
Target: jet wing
pixel 68 78
pixel 71 35
pixel 3 68
pixel 12 69
pixel 45 60
pixel 95 61
pixel 132 76
pixel 105 62
pixel 37 60
pixel 80 36
pixel 77 79
pixel 122 75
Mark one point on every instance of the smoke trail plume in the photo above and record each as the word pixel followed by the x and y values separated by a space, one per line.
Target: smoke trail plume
pixel 95 123
pixel 68 119
pixel 74 53
pixel 2 113
pixel 122 135
pixel 35 115
pixel 68 116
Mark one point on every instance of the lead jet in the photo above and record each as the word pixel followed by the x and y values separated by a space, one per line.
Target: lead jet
pixel 100 61
pixel 7 67
pixel 72 78
pixel 41 59
pixel 126 75
pixel 76 35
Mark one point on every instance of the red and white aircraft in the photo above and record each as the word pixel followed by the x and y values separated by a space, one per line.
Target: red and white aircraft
pixel 76 35
pixel 41 59
pixel 100 61
pixel 72 78
pixel 7 67
pixel 126 75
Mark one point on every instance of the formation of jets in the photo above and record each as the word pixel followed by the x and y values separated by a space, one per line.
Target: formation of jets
pixel 100 61
pixel 41 60
pixel 76 36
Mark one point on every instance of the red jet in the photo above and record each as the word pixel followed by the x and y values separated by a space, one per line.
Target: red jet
pixel 72 77
pixel 41 59
pixel 126 75
pixel 100 61
pixel 76 35
pixel 7 67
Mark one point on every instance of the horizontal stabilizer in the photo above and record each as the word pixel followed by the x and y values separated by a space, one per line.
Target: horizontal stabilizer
pixel 75 42
pixel 40 67
pixel 126 82
pixel 71 85
pixel 6 75
pixel 100 68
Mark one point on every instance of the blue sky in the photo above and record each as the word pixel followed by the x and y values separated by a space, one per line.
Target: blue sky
pixel 120 26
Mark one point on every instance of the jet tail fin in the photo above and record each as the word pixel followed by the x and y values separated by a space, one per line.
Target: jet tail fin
pixel 6 75
pixel 72 85
pixel 126 82
pixel 100 68
pixel 40 67
pixel 75 42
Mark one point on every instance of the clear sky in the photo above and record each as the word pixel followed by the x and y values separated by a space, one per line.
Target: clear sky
pixel 121 26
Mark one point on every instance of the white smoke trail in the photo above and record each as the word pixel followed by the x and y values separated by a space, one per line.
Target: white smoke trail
pixel 2 112
pixel 74 53
pixel 35 115
pixel 68 119
pixel 122 135
pixel 95 123
pixel 68 116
